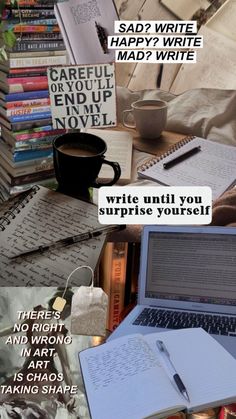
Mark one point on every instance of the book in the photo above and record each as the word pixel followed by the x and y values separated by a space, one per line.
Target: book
pixel 10 24
pixel 40 54
pixel 30 116
pixel 128 377
pixel 26 72
pixel 26 62
pixel 25 110
pixel 24 155
pixel 132 271
pixel 41 36
pixel 28 135
pixel 38 217
pixel 112 279
pixel 119 149
pixel 185 9
pixel 32 103
pixel 48 181
pixel 21 96
pixel 213 166
pixel 34 28
pixel 24 84
pixel 33 3
pixel 19 169
pixel 27 13
pixel 26 124
pixel 39 45
pixel 85 29
pixel 31 144
pixel 22 180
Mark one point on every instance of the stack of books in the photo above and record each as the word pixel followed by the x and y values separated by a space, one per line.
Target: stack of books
pixel 25 114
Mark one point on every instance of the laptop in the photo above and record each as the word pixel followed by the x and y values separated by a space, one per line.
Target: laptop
pixel 187 278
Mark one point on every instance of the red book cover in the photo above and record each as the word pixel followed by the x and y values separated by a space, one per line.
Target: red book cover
pixel 26 84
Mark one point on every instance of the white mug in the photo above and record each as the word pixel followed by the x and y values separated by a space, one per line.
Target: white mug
pixel 150 117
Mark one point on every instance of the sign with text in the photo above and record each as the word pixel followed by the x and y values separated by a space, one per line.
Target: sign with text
pixel 155 205
pixel 82 96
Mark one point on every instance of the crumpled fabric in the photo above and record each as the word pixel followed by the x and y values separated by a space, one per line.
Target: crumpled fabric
pixel 224 209
pixel 206 113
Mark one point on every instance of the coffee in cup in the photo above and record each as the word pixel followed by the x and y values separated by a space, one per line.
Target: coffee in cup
pixel 78 158
pixel 150 117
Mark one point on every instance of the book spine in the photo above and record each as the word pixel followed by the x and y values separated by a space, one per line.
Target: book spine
pixel 19 80
pixel 31 3
pixel 27 13
pixel 118 276
pixel 42 54
pixel 26 72
pixel 6 133
pixel 32 177
pixel 20 74
pixel 26 86
pixel 49 22
pixel 35 28
pixel 39 45
pixel 30 117
pixel 41 94
pixel 24 137
pixel 41 36
pixel 34 144
pixel 36 167
pixel 28 111
pixel 21 156
pixel 32 104
pixel 38 61
pixel 17 126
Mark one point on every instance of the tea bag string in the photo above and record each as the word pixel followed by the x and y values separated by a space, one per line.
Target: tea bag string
pixel 76 269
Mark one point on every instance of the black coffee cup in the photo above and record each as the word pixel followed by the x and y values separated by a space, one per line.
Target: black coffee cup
pixel 78 158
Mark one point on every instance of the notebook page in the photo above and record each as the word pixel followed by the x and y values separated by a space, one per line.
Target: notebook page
pixel 47 217
pixel 206 368
pixel 126 375
pixel 213 166
pixel 119 149
pixel 208 71
pixel 223 21
pixel 185 9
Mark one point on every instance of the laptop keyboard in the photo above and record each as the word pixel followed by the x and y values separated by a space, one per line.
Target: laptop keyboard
pixel 217 325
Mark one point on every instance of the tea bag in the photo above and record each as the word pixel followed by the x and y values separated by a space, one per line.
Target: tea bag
pixel 88 308
pixel 89 311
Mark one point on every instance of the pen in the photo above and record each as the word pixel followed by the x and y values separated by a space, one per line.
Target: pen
pixel 182 157
pixel 176 377
pixel 70 240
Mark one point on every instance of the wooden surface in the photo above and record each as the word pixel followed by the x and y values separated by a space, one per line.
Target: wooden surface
pixel 157 146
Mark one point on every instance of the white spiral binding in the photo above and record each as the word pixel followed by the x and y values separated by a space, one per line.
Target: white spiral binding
pixel 15 208
pixel 153 160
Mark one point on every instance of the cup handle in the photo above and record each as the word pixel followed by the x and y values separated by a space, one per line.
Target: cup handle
pixel 125 114
pixel 117 172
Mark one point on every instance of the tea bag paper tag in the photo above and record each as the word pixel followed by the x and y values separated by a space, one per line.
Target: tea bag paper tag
pixel 59 304
pixel 89 312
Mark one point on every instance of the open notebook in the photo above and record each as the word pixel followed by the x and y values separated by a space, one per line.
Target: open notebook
pixel 128 377
pixel 119 149
pixel 213 166
pixel 38 217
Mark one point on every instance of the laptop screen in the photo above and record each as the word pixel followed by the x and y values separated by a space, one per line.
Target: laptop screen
pixel 191 267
